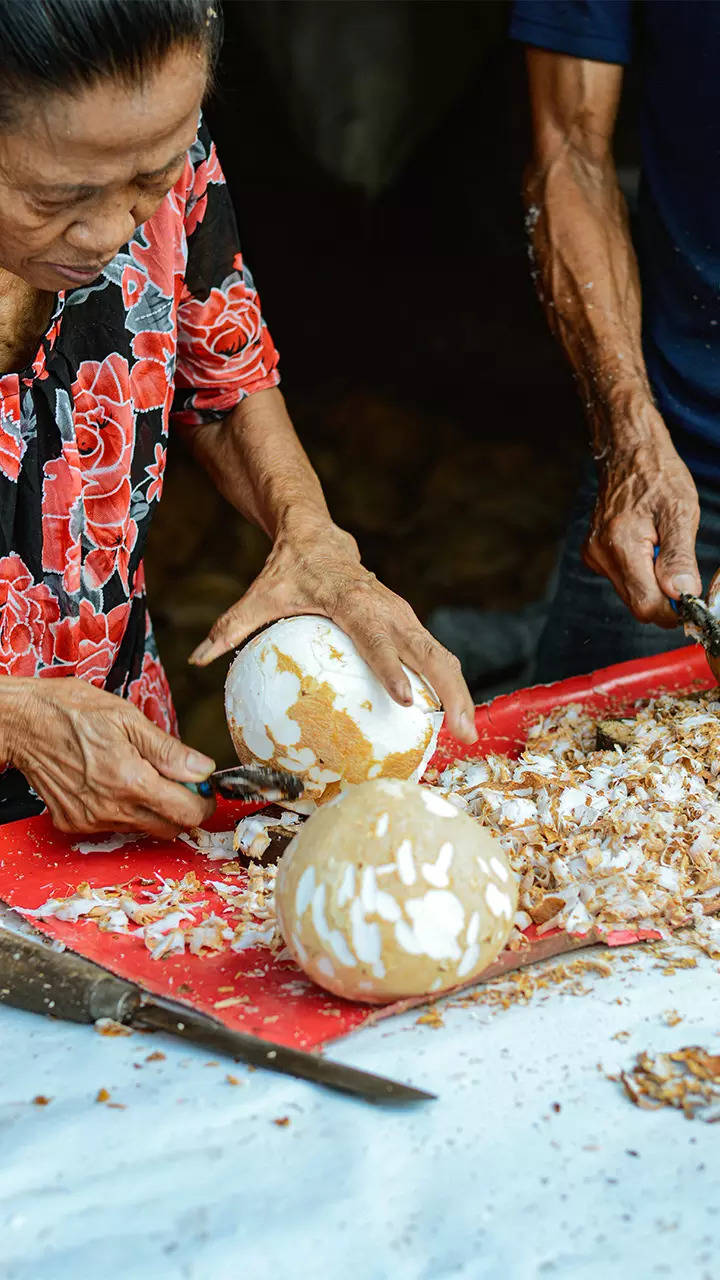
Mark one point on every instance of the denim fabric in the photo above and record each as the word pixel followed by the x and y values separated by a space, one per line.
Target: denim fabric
pixel 588 626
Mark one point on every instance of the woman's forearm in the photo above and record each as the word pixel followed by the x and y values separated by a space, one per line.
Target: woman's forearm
pixel 258 464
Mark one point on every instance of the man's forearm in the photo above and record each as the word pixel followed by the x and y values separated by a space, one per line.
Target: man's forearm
pixel 584 261
pixel 587 281
pixel 258 464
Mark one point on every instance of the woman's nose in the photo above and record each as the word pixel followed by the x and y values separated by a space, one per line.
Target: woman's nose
pixel 102 230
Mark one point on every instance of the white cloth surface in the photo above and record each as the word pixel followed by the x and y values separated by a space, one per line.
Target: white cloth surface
pixel 194 1180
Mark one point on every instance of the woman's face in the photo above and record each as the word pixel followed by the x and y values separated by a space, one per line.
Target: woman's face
pixel 78 173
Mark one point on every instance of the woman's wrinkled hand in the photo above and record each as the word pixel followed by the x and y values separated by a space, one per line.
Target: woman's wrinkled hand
pixel 647 498
pixel 318 570
pixel 97 762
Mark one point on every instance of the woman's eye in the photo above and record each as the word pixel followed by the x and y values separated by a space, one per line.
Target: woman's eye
pixel 57 206
pixel 165 181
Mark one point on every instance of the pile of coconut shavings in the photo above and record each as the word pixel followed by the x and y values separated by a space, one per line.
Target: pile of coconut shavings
pixel 688 1079
pixel 252 907
pixel 170 917
pixel 607 839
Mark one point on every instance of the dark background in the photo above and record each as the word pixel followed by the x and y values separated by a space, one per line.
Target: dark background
pixel 374 151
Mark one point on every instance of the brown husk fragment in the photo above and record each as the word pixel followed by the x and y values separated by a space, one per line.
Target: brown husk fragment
pixel 688 1079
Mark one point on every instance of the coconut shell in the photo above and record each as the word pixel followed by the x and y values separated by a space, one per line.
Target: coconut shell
pixel 300 697
pixel 392 892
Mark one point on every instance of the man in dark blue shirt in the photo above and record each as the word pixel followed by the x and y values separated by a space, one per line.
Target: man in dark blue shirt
pixel 640 324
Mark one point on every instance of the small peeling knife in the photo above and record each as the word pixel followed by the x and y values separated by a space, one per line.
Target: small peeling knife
pixel 250 782
pixel 37 977
pixel 700 624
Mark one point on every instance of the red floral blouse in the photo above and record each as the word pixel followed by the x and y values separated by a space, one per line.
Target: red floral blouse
pixel 171 331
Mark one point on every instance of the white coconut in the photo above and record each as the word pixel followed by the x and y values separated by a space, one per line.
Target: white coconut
pixel 300 697
pixel 392 892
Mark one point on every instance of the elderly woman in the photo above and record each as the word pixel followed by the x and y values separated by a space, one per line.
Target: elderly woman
pixel 127 315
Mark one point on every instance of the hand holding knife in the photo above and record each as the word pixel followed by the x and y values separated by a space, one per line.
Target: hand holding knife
pixel 699 623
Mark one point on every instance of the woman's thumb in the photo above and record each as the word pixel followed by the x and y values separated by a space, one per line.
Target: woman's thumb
pixel 168 755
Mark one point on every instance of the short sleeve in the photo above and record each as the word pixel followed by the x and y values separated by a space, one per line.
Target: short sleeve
pixel 600 30
pixel 224 348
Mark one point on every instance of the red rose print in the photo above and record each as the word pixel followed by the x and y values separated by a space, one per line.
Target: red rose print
pixel 105 433
pixel 61 517
pixel 12 445
pixel 27 612
pixel 139 585
pixel 207 171
pixel 151 376
pixel 39 367
pixel 133 284
pixel 151 694
pixel 156 470
pixel 222 341
pixel 89 642
pixel 158 251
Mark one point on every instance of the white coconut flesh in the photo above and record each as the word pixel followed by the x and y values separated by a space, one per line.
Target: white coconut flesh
pixel 391 892
pixel 300 697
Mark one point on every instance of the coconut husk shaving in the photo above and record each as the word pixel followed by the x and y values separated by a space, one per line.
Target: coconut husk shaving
pixel 688 1079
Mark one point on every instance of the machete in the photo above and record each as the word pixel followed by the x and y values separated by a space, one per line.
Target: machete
pixel 36 976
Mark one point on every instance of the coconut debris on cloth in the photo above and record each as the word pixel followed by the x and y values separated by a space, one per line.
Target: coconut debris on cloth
pixel 688 1079
pixel 607 840
pixel 173 916
pixel 600 840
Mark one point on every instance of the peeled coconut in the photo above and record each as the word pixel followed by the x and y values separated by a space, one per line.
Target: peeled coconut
pixel 391 892
pixel 300 697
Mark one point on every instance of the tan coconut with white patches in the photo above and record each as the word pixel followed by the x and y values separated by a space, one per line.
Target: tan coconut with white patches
pixel 392 892
pixel 300 697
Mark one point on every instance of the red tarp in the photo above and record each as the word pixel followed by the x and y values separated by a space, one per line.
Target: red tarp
pixel 37 863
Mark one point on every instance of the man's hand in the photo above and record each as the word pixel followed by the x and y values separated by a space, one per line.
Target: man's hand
pixel 647 498
pixel 317 569
pixel 97 762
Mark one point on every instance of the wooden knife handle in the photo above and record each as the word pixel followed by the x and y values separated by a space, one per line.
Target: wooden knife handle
pixel 61 984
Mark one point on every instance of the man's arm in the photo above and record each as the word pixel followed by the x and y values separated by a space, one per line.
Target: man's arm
pixel 260 466
pixel 587 279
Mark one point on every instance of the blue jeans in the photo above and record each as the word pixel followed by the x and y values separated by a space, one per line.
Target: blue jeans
pixel 588 626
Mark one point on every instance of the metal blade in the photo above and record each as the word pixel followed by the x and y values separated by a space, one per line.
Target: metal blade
pixel 250 782
pixel 166 1015
pixel 700 623
pixel 35 976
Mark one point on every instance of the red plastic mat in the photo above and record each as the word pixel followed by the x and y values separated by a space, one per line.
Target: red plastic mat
pixel 274 1000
